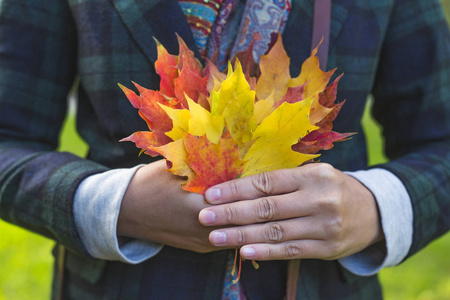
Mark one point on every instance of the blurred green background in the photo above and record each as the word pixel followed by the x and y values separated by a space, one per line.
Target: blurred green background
pixel 26 261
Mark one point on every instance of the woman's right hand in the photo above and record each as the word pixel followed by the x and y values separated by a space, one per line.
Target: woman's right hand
pixel 157 209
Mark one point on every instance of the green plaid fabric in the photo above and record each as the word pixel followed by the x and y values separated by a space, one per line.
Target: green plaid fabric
pixel 398 50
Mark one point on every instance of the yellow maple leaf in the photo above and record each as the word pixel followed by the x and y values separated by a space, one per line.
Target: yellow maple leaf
pixel 275 136
pixel 180 119
pixel 312 76
pixel 175 152
pixel 235 102
pixel 202 122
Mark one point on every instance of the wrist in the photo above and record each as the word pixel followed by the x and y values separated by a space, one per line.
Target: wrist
pixel 128 220
pixel 368 209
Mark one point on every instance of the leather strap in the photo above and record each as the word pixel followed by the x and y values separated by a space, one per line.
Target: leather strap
pixel 320 33
pixel 321 30
pixel 292 278
pixel 60 266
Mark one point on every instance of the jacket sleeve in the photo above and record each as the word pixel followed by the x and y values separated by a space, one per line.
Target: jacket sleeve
pixel 37 68
pixel 412 103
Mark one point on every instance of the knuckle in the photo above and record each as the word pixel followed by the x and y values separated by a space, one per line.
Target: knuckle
pixel 265 209
pixel 338 224
pixel 230 214
pixel 268 252
pixel 292 250
pixel 334 227
pixel 274 233
pixel 334 249
pixel 263 183
pixel 233 188
pixel 241 238
pixel 331 204
pixel 325 171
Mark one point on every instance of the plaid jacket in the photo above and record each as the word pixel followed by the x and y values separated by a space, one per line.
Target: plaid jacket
pixel 398 50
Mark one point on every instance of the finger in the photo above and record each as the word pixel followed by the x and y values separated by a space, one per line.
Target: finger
pixel 299 249
pixel 273 232
pixel 264 209
pixel 255 186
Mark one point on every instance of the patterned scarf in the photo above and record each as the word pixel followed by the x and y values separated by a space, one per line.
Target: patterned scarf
pixel 201 15
pixel 223 27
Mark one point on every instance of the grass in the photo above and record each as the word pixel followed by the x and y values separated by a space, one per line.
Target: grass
pixel 26 264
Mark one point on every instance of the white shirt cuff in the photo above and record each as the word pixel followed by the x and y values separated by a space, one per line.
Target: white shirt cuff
pixel 96 209
pixel 396 213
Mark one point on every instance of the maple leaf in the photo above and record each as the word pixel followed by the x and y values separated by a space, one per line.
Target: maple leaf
pixel 323 113
pixel 249 67
pixel 275 74
pixel 189 81
pixel 235 102
pixel 190 84
pixel 202 122
pixel 264 108
pixel 212 163
pixel 176 154
pixel 186 58
pixel 146 140
pixel 149 109
pixel 180 119
pixel 215 77
pixel 166 68
pixel 275 136
pixel 312 76
pixel 316 141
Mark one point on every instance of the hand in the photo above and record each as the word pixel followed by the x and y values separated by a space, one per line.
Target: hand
pixel 156 208
pixel 313 211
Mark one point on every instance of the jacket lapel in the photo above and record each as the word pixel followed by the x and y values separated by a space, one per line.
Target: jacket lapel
pixel 160 19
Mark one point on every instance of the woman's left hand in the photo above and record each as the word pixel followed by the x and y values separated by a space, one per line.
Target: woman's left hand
pixel 313 211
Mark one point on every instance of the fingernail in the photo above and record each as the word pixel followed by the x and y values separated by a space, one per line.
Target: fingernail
pixel 218 237
pixel 207 217
pixel 248 252
pixel 212 194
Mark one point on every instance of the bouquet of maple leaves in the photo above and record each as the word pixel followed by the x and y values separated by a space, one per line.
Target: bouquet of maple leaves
pixel 213 127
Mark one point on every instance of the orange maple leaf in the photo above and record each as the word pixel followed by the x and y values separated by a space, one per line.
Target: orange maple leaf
pixel 212 163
